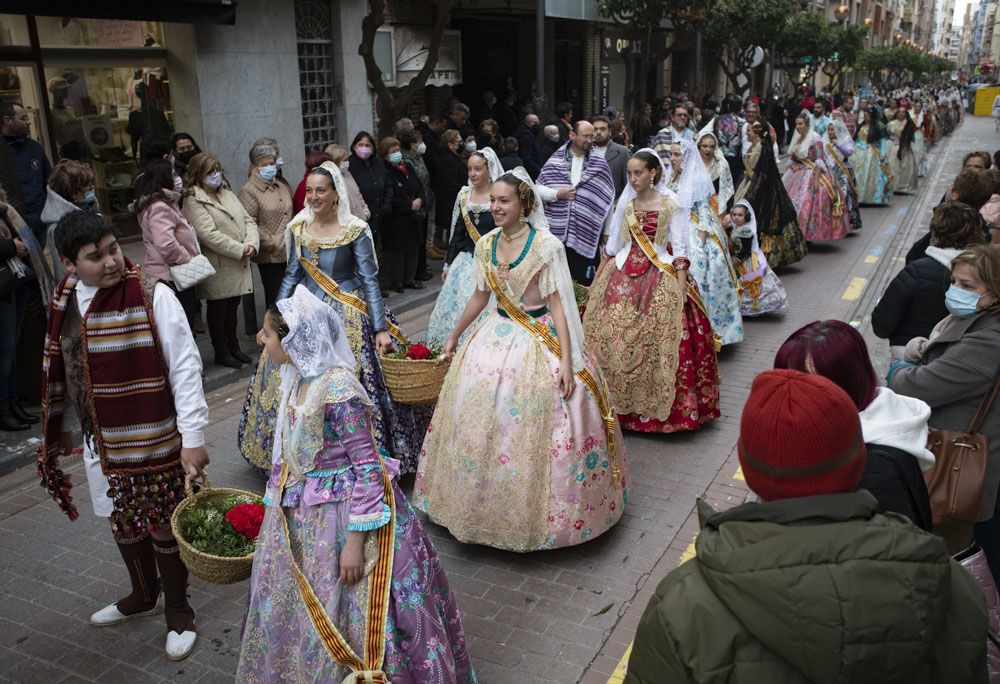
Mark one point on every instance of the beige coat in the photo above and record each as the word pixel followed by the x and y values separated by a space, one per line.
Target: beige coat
pixel 224 229
pixel 270 204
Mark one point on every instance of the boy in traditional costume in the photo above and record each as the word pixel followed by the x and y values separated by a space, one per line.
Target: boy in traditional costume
pixel 119 350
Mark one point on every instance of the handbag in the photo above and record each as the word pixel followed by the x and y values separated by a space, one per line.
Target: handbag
pixel 955 483
pixel 194 272
pixel 973 559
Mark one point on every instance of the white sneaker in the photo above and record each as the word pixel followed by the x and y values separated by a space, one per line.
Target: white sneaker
pixel 179 646
pixel 110 615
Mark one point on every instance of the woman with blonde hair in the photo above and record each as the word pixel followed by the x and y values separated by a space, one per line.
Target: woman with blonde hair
pixel 338 155
pixel 229 239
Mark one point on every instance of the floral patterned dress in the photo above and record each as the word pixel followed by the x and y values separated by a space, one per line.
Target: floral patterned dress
pixel 507 462
pixel 656 352
pixel 335 486
pixel 818 203
pixel 902 162
pixel 871 169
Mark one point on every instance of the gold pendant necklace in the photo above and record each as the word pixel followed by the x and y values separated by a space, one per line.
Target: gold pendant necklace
pixel 511 238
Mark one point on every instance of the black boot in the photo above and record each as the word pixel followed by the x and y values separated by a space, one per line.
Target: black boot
pixel 239 355
pixel 225 358
pixel 9 422
pixel 18 412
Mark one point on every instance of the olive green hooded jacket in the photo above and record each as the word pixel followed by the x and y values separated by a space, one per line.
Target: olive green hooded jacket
pixel 815 589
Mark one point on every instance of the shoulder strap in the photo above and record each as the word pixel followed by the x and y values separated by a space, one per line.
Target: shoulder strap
pixel 985 405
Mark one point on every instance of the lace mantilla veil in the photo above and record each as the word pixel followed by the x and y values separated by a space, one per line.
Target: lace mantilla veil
pixel 495 170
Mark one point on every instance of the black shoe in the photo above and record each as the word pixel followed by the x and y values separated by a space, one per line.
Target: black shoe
pixel 398 287
pixel 415 285
pixel 426 275
pixel 227 360
pixel 8 423
pixel 240 356
pixel 18 412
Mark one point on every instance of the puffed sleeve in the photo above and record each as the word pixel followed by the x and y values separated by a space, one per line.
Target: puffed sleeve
pixel 680 225
pixel 293 271
pixel 349 420
pixel 367 268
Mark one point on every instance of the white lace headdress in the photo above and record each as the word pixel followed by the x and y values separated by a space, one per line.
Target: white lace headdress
pixel 344 215
pixel 694 184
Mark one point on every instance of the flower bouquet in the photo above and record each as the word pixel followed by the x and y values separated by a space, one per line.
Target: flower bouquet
pixel 216 529
pixel 414 374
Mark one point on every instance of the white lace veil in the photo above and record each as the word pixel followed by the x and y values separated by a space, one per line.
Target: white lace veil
pixel 465 192
pixel 840 128
pixel 619 234
pixel 749 229
pixel 558 269
pixel 800 144
pixel 316 338
pixel 719 170
pixel 694 184
pixel 492 163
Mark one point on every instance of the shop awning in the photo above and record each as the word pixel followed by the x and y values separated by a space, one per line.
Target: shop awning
pixel 177 11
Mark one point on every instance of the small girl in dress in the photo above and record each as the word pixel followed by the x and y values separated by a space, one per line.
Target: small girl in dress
pixel 345 580
pixel 762 291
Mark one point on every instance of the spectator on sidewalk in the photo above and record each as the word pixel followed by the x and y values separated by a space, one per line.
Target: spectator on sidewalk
pixel 229 239
pixel 458 119
pixel 914 302
pixel 549 143
pixel 894 427
pixel 167 237
pixel 30 164
pixel 401 229
pixel 370 174
pixel 970 187
pixel 269 203
pixel 184 148
pixel 449 176
pixel 509 157
pixel 489 136
pixel 338 155
pixel 527 145
pixel 812 583
pixel 313 159
pixel 614 154
pixel 413 148
pixel 431 127
pixel 70 187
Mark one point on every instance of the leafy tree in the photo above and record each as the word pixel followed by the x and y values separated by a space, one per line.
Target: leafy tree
pixel 394 104
pixel 889 67
pixel 806 43
pixel 850 43
pixel 643 20
pixel 734 27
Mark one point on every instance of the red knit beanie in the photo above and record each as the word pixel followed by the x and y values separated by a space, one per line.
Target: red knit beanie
pixel 800 435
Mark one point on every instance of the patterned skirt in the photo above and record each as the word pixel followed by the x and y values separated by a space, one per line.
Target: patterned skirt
pixel 765 295
pixel 821 216
pixel 397 428
pixel 657 355
pixel 507 462
pixel 458 288
pixel 874 186
pixel 713 270
pixel 424 640
pixel 904 170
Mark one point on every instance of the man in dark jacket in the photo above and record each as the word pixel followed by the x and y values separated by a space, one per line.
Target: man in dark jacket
pixel 527 145
pixel 811 584
pixel 458 118
pixel 431 127
pixel 914 301
pixel 30 164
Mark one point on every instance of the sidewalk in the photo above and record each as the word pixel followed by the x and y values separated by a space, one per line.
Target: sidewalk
pixel 18 448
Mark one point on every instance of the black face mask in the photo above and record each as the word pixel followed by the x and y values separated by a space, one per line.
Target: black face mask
pixel 186 155
pixel 536 128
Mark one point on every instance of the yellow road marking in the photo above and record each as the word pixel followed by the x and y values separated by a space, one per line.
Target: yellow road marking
pixel 738 475
pixel 871 259
pixel 855 289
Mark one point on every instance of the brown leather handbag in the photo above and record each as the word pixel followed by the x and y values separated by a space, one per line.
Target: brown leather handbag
pixel 955 483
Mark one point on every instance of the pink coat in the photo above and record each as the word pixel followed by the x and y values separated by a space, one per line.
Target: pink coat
pixel 167 236
pixel 991 210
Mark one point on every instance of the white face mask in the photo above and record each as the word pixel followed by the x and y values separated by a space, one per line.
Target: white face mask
pixel 421 148
pixel 213 180
pixel 279 162
pixel 470 146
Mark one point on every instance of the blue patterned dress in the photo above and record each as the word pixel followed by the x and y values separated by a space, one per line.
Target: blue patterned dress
pixel 871 169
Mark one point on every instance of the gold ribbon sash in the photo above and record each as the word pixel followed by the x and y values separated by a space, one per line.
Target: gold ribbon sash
pixel 464 208
pixel 541 333
pixel 646 246
pixel 713 203
pixel 843 167
pixel 831 190
pixel 883 164
pixel 369 669
pixel 329 286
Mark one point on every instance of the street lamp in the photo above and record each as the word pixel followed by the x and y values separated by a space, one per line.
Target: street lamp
pixel 843 12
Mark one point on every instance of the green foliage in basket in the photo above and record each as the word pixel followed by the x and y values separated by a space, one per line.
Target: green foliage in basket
pixel 206 528
pixel 415 352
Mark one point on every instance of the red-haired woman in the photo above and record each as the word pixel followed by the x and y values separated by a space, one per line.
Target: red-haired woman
pixel 893 426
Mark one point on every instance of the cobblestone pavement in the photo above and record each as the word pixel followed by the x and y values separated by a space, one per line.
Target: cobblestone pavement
pixel 557 616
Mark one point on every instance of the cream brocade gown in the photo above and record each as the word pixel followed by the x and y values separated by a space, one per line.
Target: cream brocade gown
pixel 506 461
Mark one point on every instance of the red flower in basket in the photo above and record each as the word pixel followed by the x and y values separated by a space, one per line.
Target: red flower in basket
pixel 418 352
pixel 246 519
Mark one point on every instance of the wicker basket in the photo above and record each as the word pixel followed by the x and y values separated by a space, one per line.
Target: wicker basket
pixel 211 568
pixel 415 382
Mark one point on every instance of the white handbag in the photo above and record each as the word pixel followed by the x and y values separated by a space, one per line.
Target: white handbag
pixel 186 276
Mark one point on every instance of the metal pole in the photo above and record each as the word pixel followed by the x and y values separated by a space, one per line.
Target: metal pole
pixel 540 47
pixel 696 82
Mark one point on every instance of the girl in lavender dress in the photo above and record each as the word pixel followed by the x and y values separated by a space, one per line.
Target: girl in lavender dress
pixel 345 581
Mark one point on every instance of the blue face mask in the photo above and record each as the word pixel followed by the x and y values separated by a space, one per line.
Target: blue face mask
pixel 268 172
pixel 961 302
pixel 89 200
pixel 395 157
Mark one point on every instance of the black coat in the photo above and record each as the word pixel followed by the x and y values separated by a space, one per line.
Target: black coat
pixel 451 174
pixel 373 181
pixel 511 160
pixel 433 142
pixel 401 226
pixel 894 478
pixel 527 149
pixel 913 303
pixel 920 246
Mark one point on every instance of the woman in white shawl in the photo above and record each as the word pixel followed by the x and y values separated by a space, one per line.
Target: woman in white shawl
pixel 645 322
pixel 838 148
pixel 708 246
pixel 814 192
pixel 762 291
pixel 470 220
pixel 718 170
pixel 523 452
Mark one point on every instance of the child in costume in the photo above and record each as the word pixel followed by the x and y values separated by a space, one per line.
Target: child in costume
pixel 120 352
pixel 762 291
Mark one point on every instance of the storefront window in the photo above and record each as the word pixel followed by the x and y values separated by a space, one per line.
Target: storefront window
pixel 14 30
pixel 98 33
